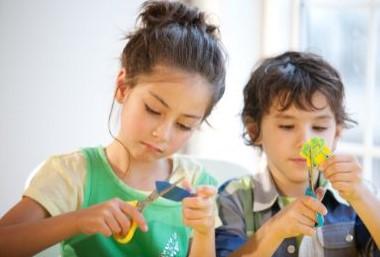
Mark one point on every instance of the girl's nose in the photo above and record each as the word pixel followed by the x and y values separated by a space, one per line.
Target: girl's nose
pixel 162 132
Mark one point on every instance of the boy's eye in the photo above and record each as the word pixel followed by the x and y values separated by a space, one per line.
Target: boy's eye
pixel 184 127
pixel 150 110
pixel 319 128
pixel 286 127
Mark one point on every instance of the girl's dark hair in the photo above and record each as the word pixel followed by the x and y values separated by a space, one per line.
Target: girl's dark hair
pixel 291 78
pixel 174 34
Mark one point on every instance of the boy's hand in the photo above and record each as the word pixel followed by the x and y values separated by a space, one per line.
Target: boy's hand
pixel 198 211
pixel 299 217
pixel 113 217
pixel 345 174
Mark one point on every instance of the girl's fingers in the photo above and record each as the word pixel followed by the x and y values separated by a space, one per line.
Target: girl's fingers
pixel 206 191
pixel 104 229
pixel 196 223
pixel 196 202
pixel 197 214
pixel 124 222
pixel 112 224
pixel 186 184
pixel 134 215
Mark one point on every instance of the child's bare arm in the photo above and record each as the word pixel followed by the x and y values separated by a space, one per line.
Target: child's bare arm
pixel 296 219
pixel 345 175
pixel 199 214
pixel 368 209
pixel 29 225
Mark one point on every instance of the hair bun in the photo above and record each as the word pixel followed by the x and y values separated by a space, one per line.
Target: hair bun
pixel 162 13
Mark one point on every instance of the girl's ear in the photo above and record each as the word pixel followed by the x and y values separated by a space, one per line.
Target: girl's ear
pixel 122 89
pixel 338 135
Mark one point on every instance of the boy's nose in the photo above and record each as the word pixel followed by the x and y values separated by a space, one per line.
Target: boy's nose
pixel 304 135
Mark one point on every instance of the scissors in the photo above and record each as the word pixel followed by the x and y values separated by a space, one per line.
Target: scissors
pixel 315 152
pixel 140 205
pixel 310 191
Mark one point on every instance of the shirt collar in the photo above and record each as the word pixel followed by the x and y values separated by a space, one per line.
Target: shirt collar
pixel 264 191
pixel 266 194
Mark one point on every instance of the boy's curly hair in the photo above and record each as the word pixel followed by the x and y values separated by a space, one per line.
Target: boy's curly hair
pixel 291 78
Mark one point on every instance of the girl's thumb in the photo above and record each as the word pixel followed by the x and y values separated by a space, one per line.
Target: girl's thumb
pixel 206 191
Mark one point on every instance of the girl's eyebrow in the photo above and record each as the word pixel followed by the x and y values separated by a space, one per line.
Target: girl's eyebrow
pixel 167 106
pixel 324 117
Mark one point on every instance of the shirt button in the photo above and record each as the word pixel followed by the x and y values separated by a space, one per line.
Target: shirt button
pixel 291 249
pixel 349 238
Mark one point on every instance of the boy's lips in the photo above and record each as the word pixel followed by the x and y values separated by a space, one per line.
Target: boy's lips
pixel 298 160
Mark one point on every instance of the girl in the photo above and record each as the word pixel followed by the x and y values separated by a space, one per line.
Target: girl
pixel 171 77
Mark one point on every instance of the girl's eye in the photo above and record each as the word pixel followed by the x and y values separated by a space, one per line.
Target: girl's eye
pixel 286 127
pixel 184 127
pixel 319 128
pixel 150 110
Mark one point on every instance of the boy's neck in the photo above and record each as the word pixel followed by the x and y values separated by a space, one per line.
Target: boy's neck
pixel 288 188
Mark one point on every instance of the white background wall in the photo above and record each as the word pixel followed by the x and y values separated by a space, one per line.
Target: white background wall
pixel 58 62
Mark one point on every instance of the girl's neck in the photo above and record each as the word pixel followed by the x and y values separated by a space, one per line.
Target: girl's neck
pixel 137 174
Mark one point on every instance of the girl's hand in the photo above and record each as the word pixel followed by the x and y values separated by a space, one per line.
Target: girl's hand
pixel 199 212
pixel 299 217
pixel 345 174
pixel 113 217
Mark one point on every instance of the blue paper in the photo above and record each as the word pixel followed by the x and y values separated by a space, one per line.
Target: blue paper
pixel 176 194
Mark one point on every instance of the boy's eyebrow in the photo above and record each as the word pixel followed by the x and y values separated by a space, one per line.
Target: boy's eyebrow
pixel 284 116
pixel 287 116
pixel 167 106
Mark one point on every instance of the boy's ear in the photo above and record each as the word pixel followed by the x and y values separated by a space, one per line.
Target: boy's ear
pixel 252 130
pixel 337 137
pixel 122 89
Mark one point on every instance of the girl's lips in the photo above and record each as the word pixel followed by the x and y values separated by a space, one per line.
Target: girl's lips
pixel 153 147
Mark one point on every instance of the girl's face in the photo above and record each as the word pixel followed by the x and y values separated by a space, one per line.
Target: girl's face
pixel 161 112
pixel 284 132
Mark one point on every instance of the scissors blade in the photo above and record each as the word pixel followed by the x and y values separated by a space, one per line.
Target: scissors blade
pixel 311 170
pixel 154 195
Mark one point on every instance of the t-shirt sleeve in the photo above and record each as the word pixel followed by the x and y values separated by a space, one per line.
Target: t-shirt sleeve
pixel 58 183
pixel 231 234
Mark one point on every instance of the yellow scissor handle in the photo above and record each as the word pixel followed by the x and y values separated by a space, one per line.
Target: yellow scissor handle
pixel 125 239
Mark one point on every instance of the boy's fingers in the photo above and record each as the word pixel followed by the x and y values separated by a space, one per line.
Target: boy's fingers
pixel 320 192
pixel 315 205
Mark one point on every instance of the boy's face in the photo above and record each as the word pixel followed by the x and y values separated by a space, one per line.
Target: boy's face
pixel 284 132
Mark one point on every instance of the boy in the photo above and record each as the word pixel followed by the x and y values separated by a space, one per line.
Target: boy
pixel 289 99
